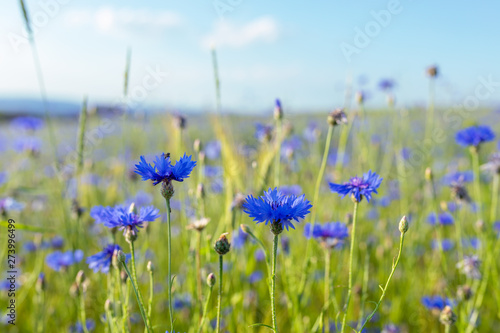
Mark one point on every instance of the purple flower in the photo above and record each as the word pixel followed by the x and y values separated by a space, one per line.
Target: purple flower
pixel 474 135
pixel 331 234
pixel 61 260
pixel 469 266
pixel 386 84
pixel 435 302
pixel 359 187
pixel 263 132
pixel 29 144
pixel 213 150
pixel 27 123
pixel 311 132
pixel 443 218
pixel 124 218
pixel 255 277
pixel 163 169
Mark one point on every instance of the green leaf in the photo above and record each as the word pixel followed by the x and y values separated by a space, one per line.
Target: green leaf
pixel 260 324
pixel 20 226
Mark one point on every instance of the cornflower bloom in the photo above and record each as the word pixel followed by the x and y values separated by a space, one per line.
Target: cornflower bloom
pixel 331 235
pixel 435 303
pixel 475 135
pixel 60 261
pixel 163 170
pixel 102 261
pixel 443 219
pixel 358 187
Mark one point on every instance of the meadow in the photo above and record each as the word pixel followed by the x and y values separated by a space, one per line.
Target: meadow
pixel 411 248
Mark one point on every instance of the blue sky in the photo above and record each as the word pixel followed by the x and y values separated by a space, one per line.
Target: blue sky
pixel 265 49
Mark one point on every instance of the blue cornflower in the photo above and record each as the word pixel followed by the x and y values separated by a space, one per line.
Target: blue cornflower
pixel 57 242
pixel 443 218
pixel 331 234
pixel 386 84
pixel 276 208
pixel 311 132
pixel 28 144
pixel 446 244
pixel 182 301
pixel 359 187
pixel 259 255
pixel 11 205
pixel 163 169
pixel 27 123
pixel 78 328
pixel 239 239
pixel 435 303
pixel 255 277
pixel 263 132
pixel 123 218
pixel 61 260
pixel 102 261
pixel 289 146
pixel 458 177
pixel 474 135
pixel 213 150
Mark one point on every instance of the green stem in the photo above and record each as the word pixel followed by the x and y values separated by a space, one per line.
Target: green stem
pixel 384 290
pixel 477 186
pixel 205 310
pixel 125 308
pixel 273 284
pixel 151 293
pixel 198 266
pixel 494 197
pixel 219 299
pixel 364 289
pixel 313 209
pixel 83 316
pixel 277 156
pixel 135 284
pixel 137 295
pixel 447 328
pixel 351 255
pixel 169 247
pixel 430 112
pixel 326 300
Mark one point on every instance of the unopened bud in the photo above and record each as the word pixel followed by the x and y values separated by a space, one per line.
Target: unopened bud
pixel 130 235
pixel 167 189
pixel 447 317
pixel 211 280
pixel 121 256
pixel 428 174
pixel 222 245
pixel 403 225
pixel 278 110
pixel 150 266
pixel 197 145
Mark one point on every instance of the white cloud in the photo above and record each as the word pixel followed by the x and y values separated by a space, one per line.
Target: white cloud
pixel 115 21
pixel 264 29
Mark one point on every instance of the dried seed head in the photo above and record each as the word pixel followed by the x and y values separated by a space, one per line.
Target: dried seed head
pixel 337 117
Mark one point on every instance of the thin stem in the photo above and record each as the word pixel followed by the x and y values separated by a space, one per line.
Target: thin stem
pixel 494 197
pixel 198 266
pixel 384 290
pixel 447 328
pixel 151 293
pixel 125 307
pixel 277 156
pixel 351 255
pixel 83 316
pixel 273 285
pixel 477 186
pixel 327 287
pixel 364 289
pixel 313 209
pixel 137 295
pixel 216 80
pixel 205 310
pixel 169 282
pixel 219 299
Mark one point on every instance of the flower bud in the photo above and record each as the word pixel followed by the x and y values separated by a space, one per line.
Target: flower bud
pixel 337 117
pixel 121 256
pixel 197 145
pixel 447 317
pixel 278 110
pixel 167 189
pixel 276 227
pixel 130 235
pixel 150 266
pixel 222 245
pixel 211 280
pixel 123 277
pixel 403 225
pixel 432 71
pixel 428 174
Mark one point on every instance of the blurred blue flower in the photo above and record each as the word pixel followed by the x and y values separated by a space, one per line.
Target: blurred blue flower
pixel 11 205
pixel 472 242
pixel 259 255
pixel 435 302
pixel 163 169
pixel 239 239
pixel 359 187
pixel 311 132
pixel 3 178
pixel 78 328
pixel 124 218
pixel 447 244
pixel 102 261
pixel 182 301
pixel 212 171
pixel 331 234
pixel 140 199
pixel 458 177
pixel 443 218
pixel 263 132
pixel 255 277
pixel 29 144
pixel 27 123
pixel 275 207
pixel 474 135
pixel 291 189
pixel 57 242
pixel 285 244
pixel 386 84
pixel 213 150
pixel 289 146
pixel 469 266
pixel 61 260
pixel 391 328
